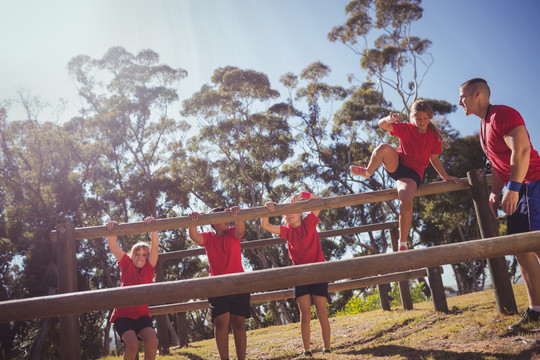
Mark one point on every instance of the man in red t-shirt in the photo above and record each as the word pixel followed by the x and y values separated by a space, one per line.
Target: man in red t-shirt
pixel 516 164
pixel 224 257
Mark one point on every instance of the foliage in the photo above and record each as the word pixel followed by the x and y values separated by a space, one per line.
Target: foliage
pixel 368 299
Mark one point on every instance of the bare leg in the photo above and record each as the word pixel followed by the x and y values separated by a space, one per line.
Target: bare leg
pixel 322 315
pixel 149 338
pixel 221 333
pixel 304 303
pixel 384 154
pixel 406 189
pixel 132 344
pixel 530 270
pixel 238 325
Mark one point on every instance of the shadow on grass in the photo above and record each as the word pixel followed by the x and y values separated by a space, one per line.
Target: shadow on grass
pixel 411 353
pixel 189 356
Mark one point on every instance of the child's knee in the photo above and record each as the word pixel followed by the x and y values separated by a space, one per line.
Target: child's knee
pixel 132 345
pixel 238 322
pixel 383 148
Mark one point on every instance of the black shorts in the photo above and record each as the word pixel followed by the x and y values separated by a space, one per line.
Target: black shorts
pixel 123 324
pixel 320 289
pixel 403 171
pixel 237 304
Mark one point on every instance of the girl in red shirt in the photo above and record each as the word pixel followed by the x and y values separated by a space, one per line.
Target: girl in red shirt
pixel 134 322
pixel 304 247
pixel 419 144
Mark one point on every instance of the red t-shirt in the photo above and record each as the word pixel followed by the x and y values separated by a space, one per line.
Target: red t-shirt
pixel 223 252
pixel 133 276
pixel 303 242
pixel 499 122
pixel 415 149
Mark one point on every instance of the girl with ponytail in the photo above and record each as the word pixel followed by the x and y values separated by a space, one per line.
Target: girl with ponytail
pixel 419 144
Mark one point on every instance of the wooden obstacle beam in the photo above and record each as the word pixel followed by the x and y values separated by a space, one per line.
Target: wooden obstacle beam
pixel 262 280
pixel 287 294
pixel 262 211
pixel 252 244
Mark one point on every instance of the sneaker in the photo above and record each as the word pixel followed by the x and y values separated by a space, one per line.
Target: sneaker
pixel 403 248
pixel 326 351
pixel 359 170
pixel 307 353
pixel 527 317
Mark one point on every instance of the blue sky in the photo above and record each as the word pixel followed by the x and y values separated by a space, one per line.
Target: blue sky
pixel 494 39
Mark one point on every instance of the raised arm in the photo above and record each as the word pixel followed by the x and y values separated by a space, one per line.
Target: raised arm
pixel 240 225
pixel 386 122
pixel 436 162
pixel 307 196
pixel 154 244
pixel 265 224
pixel 193 233
pixel 113 244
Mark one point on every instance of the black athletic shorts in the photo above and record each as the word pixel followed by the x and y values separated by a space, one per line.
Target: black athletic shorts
pixel 237 304
pixel 403 171
pixel 123 324
pixel 320 289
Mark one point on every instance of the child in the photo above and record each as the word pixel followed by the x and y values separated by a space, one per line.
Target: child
pixel 134 322
pixel 419 143
pixel 224 257
pixel 304 248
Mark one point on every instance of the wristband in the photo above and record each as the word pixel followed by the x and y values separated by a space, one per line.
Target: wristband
pixel 305 195
pixel 513 185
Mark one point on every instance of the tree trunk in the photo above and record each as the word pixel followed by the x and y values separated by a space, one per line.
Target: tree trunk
pixel 37 347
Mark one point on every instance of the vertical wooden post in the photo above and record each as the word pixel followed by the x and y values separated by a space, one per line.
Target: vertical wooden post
pixel 182 327
pixel 437 290
pixel 384 289
pixel 162 331
pixel 66 262
pixel 404 290
pixel 500 278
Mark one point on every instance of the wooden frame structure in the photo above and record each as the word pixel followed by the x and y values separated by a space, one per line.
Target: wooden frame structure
pixel 70 303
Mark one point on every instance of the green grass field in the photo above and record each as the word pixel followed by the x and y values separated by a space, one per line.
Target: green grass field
pixel 472 330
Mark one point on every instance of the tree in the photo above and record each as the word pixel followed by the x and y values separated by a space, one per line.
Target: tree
pixel 397 60
pixel 41 187
pixel 126 115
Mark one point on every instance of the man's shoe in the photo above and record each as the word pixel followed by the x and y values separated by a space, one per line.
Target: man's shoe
pixel 527 317
pixel 307 353
pixel 403 248
pixel 326 351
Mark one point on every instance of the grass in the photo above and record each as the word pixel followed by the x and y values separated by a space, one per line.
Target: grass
pixel 472 330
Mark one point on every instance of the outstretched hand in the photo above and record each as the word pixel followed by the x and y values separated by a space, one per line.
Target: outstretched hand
pixel 194 216
pixel 110 225
pixel 395 117
pixel 454 179
pixel 270 205
pixel 149 219
pixel 234 210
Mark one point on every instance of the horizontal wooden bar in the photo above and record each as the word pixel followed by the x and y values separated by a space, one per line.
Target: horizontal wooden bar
pixel 262 211
pixel 180 254
pixel 269 279
pixel 287 294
